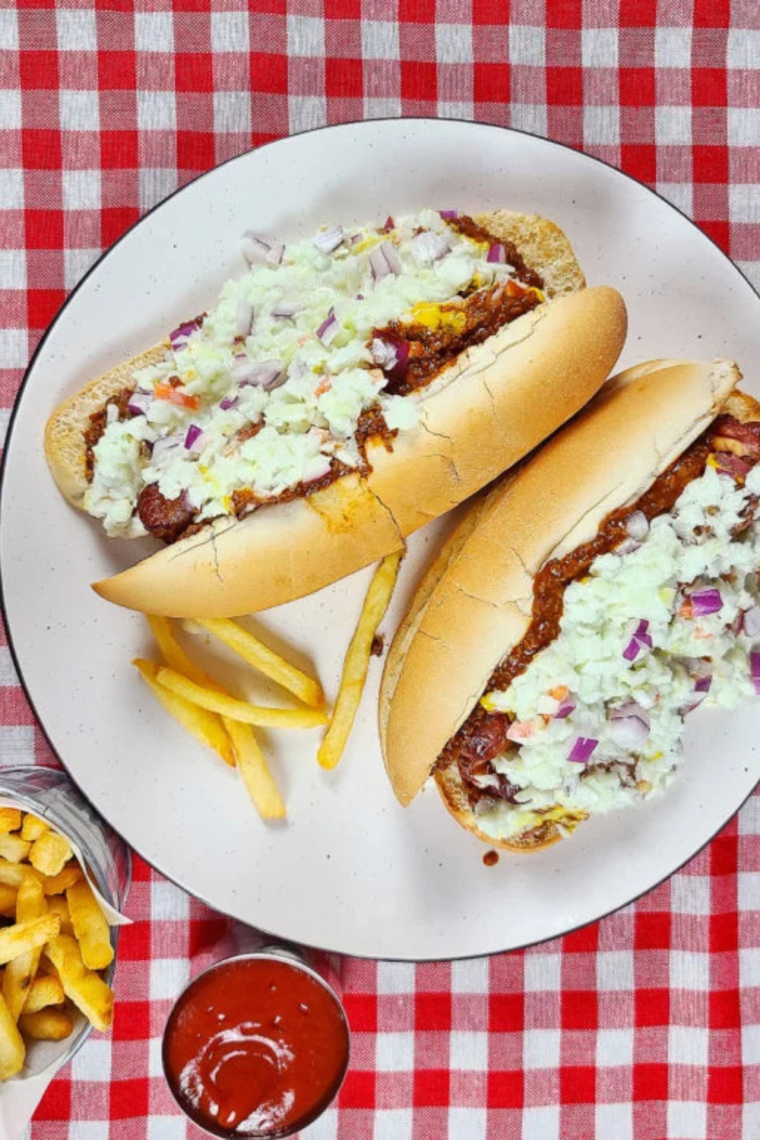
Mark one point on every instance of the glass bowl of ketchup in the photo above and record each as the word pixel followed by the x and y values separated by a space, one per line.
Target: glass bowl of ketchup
pixel 257 1045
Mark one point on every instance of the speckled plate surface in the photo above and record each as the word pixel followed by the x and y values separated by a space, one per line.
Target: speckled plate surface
pixel 350 870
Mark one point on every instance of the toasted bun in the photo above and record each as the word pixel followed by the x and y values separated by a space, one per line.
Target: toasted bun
pixel 475 601
pixel 479 417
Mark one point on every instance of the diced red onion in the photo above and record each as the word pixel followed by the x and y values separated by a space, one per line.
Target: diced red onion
pixel 179 336
pixel 355 239
pixel 704 602
pixel 139 402
pixel 276 252
pixel 429 246
pixel 389 224
pixel 390 253
pixel 384 354
pixel 629 732
pixel 731 465
pixel 329 328
pixel 751 622
pixel 228 402
pixel 637 525
pixel 255 249
pixel 582 749
pixel 112 413
pixel 702 685
pixel 378 264
pixel 286 310
pixel 497 254
pixel 329 240
pixel 630 708
pixel 447 215
pixel 640 639
pixel 243 318
pixel 565 708
pixel 259 373
pixel 754 664
pixel 195 438
pixel 360 296
pixel 628 546
pixel 164 447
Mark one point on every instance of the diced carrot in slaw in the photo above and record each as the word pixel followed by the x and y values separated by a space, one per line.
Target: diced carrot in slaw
pixel 174 396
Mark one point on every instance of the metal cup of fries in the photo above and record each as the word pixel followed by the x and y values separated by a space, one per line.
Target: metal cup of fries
pixel 56 982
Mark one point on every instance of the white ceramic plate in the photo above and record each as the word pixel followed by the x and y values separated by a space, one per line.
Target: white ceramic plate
pixel 351 870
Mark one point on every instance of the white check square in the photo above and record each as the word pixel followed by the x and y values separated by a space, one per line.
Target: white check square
pixel 749 966
pixel 76 262
pixel 453 43
pixel 78 110
pixel 614 970
pixel 326 1128
pixel 744 130
pixel 601 125
pixel 613 1047
pixel 541 1048
pixel 394 1052
pixel 395 977
pixel 156 183
pixel 12 269
pixel 379 39
pixel 77 29
pixel 543 972
pixel 743 49
pixel 599 47
pixel 167 1128
pixel 467 1123
pixel 229 31
pixel 527 45
pixel 672 47
pixel 468 1051
pixel 168 902
pixel 232 112
pixel 81 189
pixel 682 196
pixel 306 112
pixel 8 29
pixel 167 977
pixel 154 31
pixel 614 1120
pixel 751 1049
pixel 392 1124
pixel 688 1045
pixel 10 109
pixel 16 740
pixel 690 894
pixel 672 126
pixel 541 1123
pixel 156 110
pixel 689 970
pixel 744 202
pixel 470 976
pixel 687 1118
pixel 529 117
pixel 306 36
pixel 13 347
pixel 93 1061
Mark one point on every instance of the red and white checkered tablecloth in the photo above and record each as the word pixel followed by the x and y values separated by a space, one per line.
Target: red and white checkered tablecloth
pixel 644 1026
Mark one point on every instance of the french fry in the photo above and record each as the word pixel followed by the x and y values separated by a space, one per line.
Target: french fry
pixel 217 702
pixel 13 848
pixel 256 775
pixel 10 819
pixel 20 972
pixel 46 1024
pixel 50 853
pixel 271 664
pixel 12 874
pixel 23 936
pixel 12 1048
pixel 175 657
pixel 90 926
pixel 45 990
pixel 88 992
pixel 57 905
pixel 356 663
pixel 32 827
pixel 57 884
pixel 8 901
pixel 204 726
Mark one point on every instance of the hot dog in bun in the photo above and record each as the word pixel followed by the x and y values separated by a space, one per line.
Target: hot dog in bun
pixel 348 389
pixel 582 609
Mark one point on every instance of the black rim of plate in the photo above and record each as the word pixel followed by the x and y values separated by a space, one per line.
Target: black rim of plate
pixel 17 404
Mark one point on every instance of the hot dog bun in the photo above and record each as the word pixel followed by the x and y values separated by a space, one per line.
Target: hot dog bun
pixel 475 601
pixel 478 417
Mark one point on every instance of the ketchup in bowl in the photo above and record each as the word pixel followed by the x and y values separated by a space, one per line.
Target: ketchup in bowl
pixel 256 1046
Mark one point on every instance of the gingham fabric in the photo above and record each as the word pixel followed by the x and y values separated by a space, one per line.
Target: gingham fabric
pixel 642 1027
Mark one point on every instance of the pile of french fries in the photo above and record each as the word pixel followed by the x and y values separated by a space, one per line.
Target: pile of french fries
pixel 225 723
pixel 54 940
